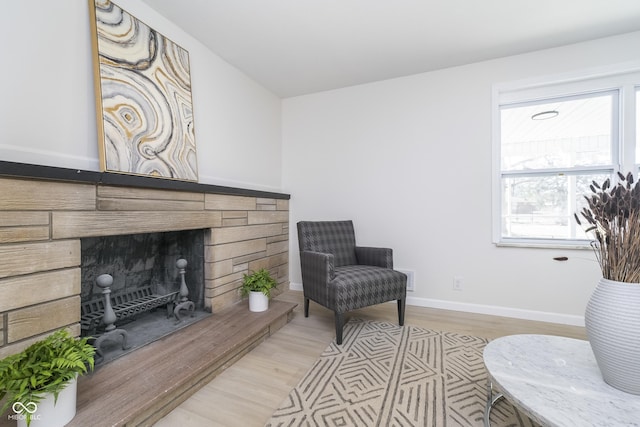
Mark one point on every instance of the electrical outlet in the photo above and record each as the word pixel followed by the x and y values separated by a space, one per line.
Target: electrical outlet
pixel 457 283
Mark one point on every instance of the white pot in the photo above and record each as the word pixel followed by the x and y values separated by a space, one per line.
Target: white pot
pixel 258 301
pixel 49 415
pixel 612 321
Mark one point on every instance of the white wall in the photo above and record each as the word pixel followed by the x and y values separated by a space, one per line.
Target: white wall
pixel 409 160
pixel 47 107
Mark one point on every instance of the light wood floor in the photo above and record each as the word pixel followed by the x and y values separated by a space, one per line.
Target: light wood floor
pixel 247 393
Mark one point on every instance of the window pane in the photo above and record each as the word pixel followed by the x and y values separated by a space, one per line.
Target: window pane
pixel 542 207
pixel 535 137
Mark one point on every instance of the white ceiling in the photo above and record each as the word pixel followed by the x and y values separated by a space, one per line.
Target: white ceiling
pixel 295 47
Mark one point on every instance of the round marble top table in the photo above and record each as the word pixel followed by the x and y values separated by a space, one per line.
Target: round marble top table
pixel 556 381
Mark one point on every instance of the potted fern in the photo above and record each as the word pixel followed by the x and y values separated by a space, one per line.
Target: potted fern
pixel 612 316
pixel 39 383
pixel 258 286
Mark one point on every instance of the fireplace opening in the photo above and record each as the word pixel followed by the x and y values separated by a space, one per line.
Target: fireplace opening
pixel 138 288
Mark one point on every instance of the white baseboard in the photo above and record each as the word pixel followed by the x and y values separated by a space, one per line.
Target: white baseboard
pixel 493 310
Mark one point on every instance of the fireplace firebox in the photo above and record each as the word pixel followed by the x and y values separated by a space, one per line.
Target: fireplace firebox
pixel 136 288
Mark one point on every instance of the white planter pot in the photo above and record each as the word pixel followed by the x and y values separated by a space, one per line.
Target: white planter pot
pixel 612 320
pixel 49 415
pixel 258 301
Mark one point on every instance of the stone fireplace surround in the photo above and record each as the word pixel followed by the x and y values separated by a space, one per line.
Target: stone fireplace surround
pixel 45 211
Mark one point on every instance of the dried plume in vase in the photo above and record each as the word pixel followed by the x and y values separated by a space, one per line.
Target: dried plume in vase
pixel 613 216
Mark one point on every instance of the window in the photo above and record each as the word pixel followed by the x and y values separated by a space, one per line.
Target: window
pixel 551 141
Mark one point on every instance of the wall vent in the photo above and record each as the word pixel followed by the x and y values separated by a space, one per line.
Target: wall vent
pixel 410 278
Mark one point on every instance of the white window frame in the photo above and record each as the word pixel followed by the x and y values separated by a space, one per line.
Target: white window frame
pixel 624 78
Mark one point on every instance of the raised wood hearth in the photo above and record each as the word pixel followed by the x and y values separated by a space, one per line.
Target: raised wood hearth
pixel 140 388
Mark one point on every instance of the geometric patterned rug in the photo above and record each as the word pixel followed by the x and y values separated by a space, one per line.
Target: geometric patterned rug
pixel 387 375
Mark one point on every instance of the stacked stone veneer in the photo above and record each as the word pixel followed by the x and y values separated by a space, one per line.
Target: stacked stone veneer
pixel 42 222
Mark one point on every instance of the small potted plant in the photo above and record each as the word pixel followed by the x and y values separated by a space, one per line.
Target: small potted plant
pixel 258 286
pixel 39 383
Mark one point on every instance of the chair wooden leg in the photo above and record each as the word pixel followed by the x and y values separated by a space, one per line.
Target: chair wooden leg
pixel 306 307
pixel 339 324
pixel 401 304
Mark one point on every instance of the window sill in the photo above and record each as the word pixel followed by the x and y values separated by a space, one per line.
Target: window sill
pixel 545 245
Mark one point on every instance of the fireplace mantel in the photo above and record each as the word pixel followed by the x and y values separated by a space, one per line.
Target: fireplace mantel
pixel 26 170
pixel 45 211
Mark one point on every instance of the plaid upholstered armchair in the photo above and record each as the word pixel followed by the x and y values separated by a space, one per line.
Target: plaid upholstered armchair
pixel 341 276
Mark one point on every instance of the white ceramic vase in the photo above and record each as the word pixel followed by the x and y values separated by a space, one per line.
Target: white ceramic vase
pixel 49 415
pixel 258 301
pixel 612 320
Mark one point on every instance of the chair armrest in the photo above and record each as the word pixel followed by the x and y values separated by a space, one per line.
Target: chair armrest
pixel 378 257
pixel 317 271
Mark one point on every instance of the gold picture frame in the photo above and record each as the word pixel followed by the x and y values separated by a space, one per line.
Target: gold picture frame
pixel 143 97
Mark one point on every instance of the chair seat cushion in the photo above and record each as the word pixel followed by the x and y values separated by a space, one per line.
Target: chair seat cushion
pixel 357 286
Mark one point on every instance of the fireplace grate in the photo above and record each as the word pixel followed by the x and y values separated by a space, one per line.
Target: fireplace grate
pixel 125 305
